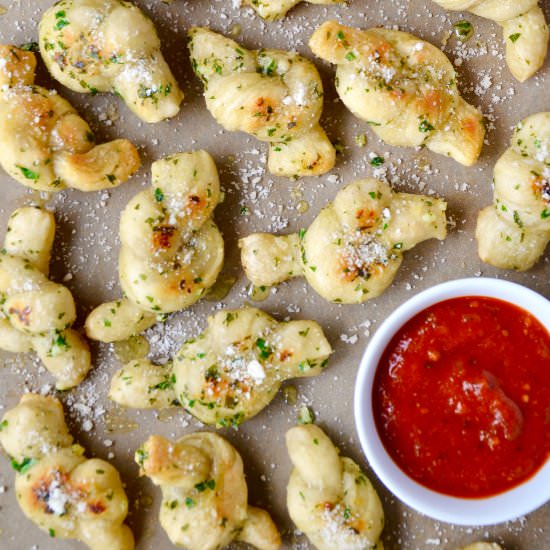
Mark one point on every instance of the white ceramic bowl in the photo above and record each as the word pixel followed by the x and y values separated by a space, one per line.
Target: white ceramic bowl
pixel 505 506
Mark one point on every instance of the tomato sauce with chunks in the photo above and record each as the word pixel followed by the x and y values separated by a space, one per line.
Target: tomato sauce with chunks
pixel 461 397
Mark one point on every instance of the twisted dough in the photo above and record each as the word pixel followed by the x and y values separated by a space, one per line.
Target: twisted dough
pixel 231 371
pixel 524 29
pixel 36 313
pixel 65 494
pixel 328 496
pixel 45 143
pixel 353 249
pixel 95 46
pixel 273 9
pixel 514 231
pixel 404 87
pixel 204 493
pixel 276 96
pixel 171 249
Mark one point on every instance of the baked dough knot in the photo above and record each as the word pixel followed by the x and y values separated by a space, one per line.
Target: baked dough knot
pixel 354 247
pixel 65 494
pixel 35 313
pixel 482 546
pixel 524 28
pixel 274 95
pixel 231 371
pixel 94 46
pixel 204 493
pixel 274 9
pixel 404 87
pixel 329 498
pixel 514 232
pixel 171 249
pixel 46 145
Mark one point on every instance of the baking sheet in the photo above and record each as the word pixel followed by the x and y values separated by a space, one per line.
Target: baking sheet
pixel 86 250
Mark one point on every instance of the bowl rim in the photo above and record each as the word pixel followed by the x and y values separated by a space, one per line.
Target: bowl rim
pixel 509 505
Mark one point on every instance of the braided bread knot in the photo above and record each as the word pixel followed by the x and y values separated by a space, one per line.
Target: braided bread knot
pixel 274 95
pixel 46 145
pixel 204 493
pixel 231 371
pixel 515 230
pixel 524 28
pixel 95 46
pixel 65 494
pixel 354 247
pixel 404 87
pixel 328 496
pixel 35 313
pixel 171 249
pixel 482 546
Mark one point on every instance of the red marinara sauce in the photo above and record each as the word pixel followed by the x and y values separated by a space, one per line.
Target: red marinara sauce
pixel 461 397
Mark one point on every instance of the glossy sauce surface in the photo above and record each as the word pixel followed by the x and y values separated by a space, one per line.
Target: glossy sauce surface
pixel 461 397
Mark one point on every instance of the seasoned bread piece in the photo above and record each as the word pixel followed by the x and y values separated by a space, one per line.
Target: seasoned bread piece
pixel 524 29
pixel 404 87
pixel 45 143
pixel 273 95
pixel 171 249
pixel 329 498
pixel 204 493
pixel 67 495
pixel 95 46
pixel 35 313
pixel 231 371
pixel 482 546
pixel 514 232
pixel 354 247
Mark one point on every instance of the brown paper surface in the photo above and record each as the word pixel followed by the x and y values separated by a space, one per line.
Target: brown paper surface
pixel 87 243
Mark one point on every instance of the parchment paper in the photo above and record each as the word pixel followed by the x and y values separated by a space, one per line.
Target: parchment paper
pixel 87 245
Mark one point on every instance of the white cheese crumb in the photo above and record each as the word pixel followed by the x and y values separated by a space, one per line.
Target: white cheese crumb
pixel 256 371
pixel 87 425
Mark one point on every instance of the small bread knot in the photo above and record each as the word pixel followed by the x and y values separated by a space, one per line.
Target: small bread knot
pixel 231 371
pixel 273 95
pixel 46 145
pixel 36 314
pixel 524 30
pixel 171 249
pixel 204 493
pixel 404 87
pixel 354 247
pixel 329 498
pixel 94 46
pixel 57 487
pixel 514 232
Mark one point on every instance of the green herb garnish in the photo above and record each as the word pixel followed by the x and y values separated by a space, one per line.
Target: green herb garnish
pixel 464 30
pixel 377 161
